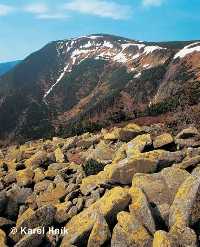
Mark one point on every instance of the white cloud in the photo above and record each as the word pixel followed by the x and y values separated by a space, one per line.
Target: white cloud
pixel 54 16
pixel 154 3
pixel 102 8
pixel 5 9
pixel 37 8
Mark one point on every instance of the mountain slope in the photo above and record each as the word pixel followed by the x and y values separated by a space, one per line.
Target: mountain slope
pixel 5 67
pixel 98 79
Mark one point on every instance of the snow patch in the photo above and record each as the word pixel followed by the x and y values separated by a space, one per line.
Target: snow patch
pixel 188 50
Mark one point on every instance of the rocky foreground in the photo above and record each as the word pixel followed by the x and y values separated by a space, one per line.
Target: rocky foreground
pixel 121 188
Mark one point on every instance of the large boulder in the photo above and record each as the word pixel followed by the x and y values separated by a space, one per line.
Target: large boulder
pixel 163 140
pixel 129 232
pixel 100 232
pixel 42 217
pixel 81 225
pixel 25 177
pixel 185 209
pixel 36 160
pixel 140 209
pixel 3 239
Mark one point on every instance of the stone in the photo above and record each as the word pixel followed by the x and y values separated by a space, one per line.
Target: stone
pixel 33 240
pixel 163 140
pixel 137 145
pixel 6 223
pixel 62 215
pixel 25 177
pixel 182 236
pixel 185 209
pixel 188 133
pixel 102 153
pixel 129 232
pixel 39 175
pixel 109 205
pixel 52 197
pixel 161 239
pixel 42 217
pixel 18 194
pixel 36 160
pixel 100 233
pixel 60 157
pixel 140 209
pixel 124 170
pixel 3 239
pixel 42 186
pixel 189 163
pixel 130 131
pixel 3 201
pixel 112 135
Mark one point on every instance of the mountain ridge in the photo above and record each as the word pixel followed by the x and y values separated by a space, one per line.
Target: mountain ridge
pixel 96 80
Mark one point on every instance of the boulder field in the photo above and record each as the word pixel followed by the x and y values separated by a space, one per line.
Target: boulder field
pixel 122 187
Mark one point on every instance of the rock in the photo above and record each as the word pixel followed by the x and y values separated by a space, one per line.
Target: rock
pixel 161 239
pixel 53 196
pixel 188 133
pixel 18 194
pixel 62 215
pixel 182 236
pixel 185 209
pixel 39 175
pixel 6 223
pixel 137 145
pixel 42 217
pixel 100 232
pixel 109 205
pixel 25 177
pixel 130 131
pixel 10 178
pixel 163 140
pixel 196 172
pixel 3 201
pixel 129 232
pixel 192 162
pixel 188 138
pixel 80 203
pixel 124 170
pixel 60 157
pixel 36 160
pixel 2 239
pixel 42 186
pixel 72 212
pixel 112 135
pixel 140 209
pixel 102 153
pixel 33 240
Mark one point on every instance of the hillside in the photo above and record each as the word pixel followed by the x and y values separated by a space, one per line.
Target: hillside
pixel 130 186
pixel 5 67
pixel 73 86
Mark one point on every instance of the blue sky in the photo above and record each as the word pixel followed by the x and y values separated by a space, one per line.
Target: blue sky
pixel 27 25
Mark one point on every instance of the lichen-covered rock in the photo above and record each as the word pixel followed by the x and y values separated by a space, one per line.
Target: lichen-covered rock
pixel 3 201
pixel 163 140
pixel 183 236
pixel 137 145
pixel 42 217
pixel 124 170
pixel 25 177
pixel 60 157
pixel 188 133
pixel 140 209
pixel 161 239
pixel 39 175
pixel 189 163
pixel 62 211
pixel 109 205
pixel 111 135
pixel 130 131
pixel 129 232
pixel 100 232
pixel 185 209
pixel 36 160
pixel 33 240
pixel 3 238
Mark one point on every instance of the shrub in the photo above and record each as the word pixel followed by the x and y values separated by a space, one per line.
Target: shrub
pixel 92 167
